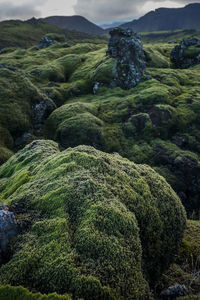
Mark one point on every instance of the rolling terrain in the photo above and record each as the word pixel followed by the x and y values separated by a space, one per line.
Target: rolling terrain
pixel 105 185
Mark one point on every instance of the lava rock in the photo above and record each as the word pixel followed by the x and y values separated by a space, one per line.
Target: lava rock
pixel 8 229
pixel 126 47
pixel 96 88
pixel 173 292
pixel 41 111
pixel 183 60
pixel 136 124
pixel 187 171
pixel 45 43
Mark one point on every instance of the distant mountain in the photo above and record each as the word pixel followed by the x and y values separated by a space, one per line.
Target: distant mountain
pixel 161 19
pixel 109 25
pixel 77 23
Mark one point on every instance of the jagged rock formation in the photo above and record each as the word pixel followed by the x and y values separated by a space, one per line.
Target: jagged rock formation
pixel 45 42
pixel 187 54
pixel 126 47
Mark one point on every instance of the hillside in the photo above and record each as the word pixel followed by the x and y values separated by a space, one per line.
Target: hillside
pixel 168 19
pixel 25 34
pixel 77 23
pixel 101 181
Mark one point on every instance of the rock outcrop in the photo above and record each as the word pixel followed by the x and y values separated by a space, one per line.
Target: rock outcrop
pixel 174 292
pixel 126 47
pixel 8 229
pixel 45 43
pixel 187 54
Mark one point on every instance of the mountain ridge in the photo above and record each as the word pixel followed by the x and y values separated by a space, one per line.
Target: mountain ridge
pixel 161 19
pixel 76 22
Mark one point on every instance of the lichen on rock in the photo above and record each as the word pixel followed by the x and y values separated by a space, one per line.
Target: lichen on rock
pixel 187 54
pixel 126 47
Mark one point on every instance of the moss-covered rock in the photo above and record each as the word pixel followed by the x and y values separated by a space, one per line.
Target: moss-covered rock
pixel 23 108
pixel 101 226
pixel 19 293
pixel 186 268
pixel 75 124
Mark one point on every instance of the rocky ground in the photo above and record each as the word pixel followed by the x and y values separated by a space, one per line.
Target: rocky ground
pixel 106 213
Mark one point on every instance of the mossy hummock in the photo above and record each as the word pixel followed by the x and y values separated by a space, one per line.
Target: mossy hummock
pixel 101 226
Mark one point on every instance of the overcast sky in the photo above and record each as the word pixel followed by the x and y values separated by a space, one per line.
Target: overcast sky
pixel 98 11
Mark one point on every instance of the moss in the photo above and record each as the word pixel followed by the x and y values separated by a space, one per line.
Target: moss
pixel 194 297
pixel 190 248
pixel 10 293
pixel 83 129
pixel 104 71
pixel 154 58
pixel 5 154
pixel 186 269
pixel 18 97
pixel 153 95
pixel 191 52
pixel 100 216
pixel 75 124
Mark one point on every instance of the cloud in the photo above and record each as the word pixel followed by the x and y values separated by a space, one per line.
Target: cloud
pixel 9 10
pixel 115 10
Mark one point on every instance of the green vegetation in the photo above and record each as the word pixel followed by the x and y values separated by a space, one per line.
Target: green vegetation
pixel 92 215
pixel 156 123
pixel 28 33
pixel 19 293
pixel 171 36
pixel 101 226
pixel 18 99
pixel 186 268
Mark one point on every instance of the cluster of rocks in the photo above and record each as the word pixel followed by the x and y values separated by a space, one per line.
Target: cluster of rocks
pixel 45 42
pixel 180 59
pixel 126 47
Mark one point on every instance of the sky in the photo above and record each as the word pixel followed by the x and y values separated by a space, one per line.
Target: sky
pixel 97 11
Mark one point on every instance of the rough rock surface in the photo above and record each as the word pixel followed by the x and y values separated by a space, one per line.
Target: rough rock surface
pixel 126 47
pixel 45 43
pixel 8 228
pixel 187 170
pixel 41 111
pixel 173 292
pixel 183 59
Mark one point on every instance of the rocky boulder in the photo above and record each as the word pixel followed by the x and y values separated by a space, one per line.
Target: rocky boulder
pixel 126 47
pixel 173 292
pixel 187 54
pixel 8 229
pixel 45 42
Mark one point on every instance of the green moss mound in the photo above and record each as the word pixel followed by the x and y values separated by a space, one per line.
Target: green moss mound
pixel 186 268
pixel 76 124
pixel 102 227
pixel 19 293
pixel 18 98
pixel 166 107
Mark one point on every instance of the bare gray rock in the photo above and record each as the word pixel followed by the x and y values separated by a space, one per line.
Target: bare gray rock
pixel 8 228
